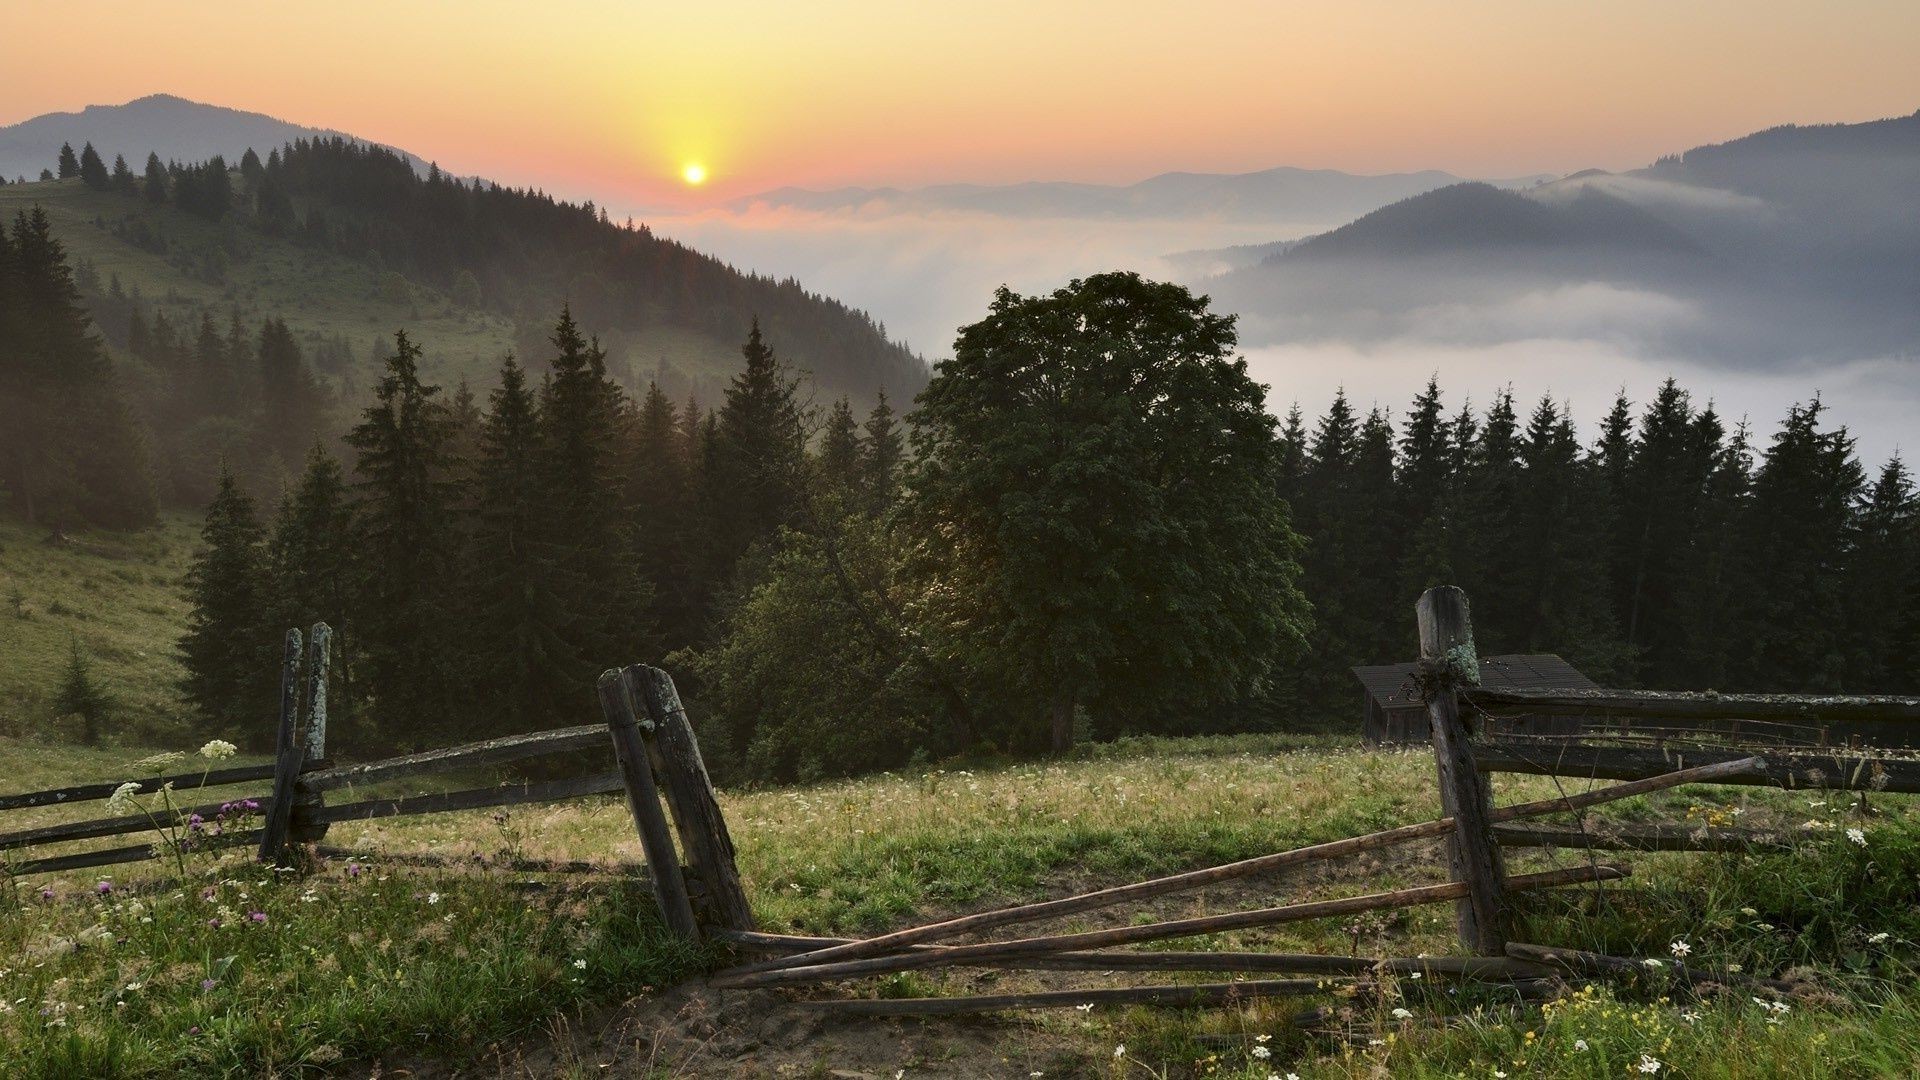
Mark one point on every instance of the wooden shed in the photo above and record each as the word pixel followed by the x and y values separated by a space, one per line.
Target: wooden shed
pixel 1395 713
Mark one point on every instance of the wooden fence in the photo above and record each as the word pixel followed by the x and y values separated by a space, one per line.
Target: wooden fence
pixel 654 753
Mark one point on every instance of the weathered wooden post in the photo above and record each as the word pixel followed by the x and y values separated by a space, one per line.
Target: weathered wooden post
pixel 287 754
pixel 643 799
pixel 308 802
pixel 713 876
pixel 1449 661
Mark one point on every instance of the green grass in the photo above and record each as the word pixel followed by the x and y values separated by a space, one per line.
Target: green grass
pixel 119 596
pixel 224 266
pixel 350 966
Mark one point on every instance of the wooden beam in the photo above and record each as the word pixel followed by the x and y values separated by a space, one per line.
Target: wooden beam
pixel 1451 663
pixel 1126 935
pixel 572 787
pixel 469 756
pixel 1706 705
pixel 98 827
pixel 240 774
pixel 288 757
pixel 643 801
pixel 1628 837
pixel 1592 963
pixel 1845 772
pixel 675 753
pixel 1193 996
pixel 1192 879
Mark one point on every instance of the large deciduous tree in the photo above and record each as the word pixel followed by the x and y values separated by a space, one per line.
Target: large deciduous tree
pixel 1093 507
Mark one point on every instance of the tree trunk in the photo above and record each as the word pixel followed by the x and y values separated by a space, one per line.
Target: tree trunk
pixel 1062 713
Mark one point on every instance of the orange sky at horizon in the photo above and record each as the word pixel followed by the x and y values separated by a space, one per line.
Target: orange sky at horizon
pixel 613 99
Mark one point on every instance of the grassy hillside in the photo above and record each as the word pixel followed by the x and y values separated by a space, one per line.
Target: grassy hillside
pixel 119 596
pixel 369 962
pixel 321 294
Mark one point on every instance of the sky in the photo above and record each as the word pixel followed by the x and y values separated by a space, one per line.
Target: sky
pixel 613 99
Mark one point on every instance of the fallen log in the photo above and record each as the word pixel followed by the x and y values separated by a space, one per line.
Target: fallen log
pixel 987 954
pixel 1592 963
pixel 1199 994
pixel 1192 879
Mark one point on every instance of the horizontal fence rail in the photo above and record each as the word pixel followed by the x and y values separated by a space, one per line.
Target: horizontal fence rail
pixel 1695 705
pixel 241 774
pixel 1821 771
pixel 470 756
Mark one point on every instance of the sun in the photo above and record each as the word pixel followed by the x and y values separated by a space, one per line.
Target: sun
pixel 694 173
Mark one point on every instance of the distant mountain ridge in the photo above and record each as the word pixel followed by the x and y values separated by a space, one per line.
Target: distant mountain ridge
pixel 173 127
pixel 1279 194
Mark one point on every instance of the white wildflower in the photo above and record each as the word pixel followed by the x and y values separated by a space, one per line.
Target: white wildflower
pixel 1579 1044
pixel 1656 965
pixel 218 750
pixel 1879 938
pixel 433 898
pixel 1858 836
pixel 121 801
pixel 157 762
pixel 1402 1014
pixel 1648 1064
pixel 1680 948
pixel 1262 1052
pixel 580 965
pixel 1690 1016
pixel 1120 1051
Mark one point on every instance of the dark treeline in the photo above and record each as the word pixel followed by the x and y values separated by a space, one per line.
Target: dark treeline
pixel 481 562
pixel 518 251
pixel 1672 552
pixel 71 450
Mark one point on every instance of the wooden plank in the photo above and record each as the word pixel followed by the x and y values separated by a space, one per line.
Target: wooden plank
pixel 696 811
pixel 1197 995
pixel 572 787
pixel 1705 705
pixel 98 827
pixel 1193 879
pixel 239 774
pixel 1593 963
pixel 1826 771
pixel 469 756
pixel 112 856
pixel 1629 837
pixel 643 800
pixel 1156 960
pixel 287 757
pixel 532 866
pixel 1126 935
pixel 1447 654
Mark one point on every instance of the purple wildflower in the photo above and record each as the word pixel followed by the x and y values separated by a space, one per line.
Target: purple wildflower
pixel 46 894
pixel 207 984
pixel 257 916
pixel 213 924
pixel 104 888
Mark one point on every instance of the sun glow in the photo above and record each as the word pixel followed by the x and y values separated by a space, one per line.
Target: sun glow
pixel 694 173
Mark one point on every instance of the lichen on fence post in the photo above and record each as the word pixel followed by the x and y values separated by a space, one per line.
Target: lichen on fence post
pixel 643 799
pixel 308 823
pixel 1449 662
pixel 287 755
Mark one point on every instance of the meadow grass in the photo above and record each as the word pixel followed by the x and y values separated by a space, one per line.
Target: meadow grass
pixel 365 956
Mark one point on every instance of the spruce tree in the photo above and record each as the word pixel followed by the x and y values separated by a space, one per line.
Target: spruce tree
pixel 123 179
pixel 836 466
pixel 759 463
pixel 155 185
pixel 311 561
pixel 882 455
pixel 93 171
pixel 81 695
pixel 230 650
pixel 406 595
pixel 292 406
pixel 69 162
pixel 524 669
pixel 1879 573
pixel 664 528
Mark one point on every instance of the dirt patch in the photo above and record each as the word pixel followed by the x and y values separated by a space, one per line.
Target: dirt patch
pixel 701 1031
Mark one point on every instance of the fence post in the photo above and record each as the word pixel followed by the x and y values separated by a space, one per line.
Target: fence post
pixel 643 799
pixel 1448 661
pixel 696 812
pixel 286 760
pixel 306 824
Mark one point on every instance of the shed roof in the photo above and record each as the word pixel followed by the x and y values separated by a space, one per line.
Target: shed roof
pixel 1392 685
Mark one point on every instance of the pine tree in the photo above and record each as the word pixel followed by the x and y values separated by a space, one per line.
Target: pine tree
pixel 230 650
pixel 405 604
pixel 1557 574
pixel 311 560
pixel 882 455
pixel 1489 489
pixel 69 163
pixel 664 527
pixel 1879 573
pixel 836 467
pixel 123 179
pixel 585 525
pixel 81 695
pixel 525 670
pixel 93 171
pixel 1425 487
pixel 155 185
pixel 292 407
pixel 759 464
